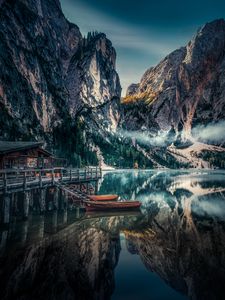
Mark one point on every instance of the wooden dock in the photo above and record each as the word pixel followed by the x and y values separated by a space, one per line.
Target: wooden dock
pixel 13 180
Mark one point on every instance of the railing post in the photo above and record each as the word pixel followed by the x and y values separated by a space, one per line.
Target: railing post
pixel 78 177
pixel 91 172
pixel 70 174
pixel 96 172
pixel 61 174
pixel 85 173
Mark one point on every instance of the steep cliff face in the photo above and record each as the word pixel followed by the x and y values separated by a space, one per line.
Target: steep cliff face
pixel 184 89
pixel 50 74
pixel 92 80
pixel 35 51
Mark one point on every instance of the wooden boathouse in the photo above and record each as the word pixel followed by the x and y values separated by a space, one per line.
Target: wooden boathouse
pixel 21 155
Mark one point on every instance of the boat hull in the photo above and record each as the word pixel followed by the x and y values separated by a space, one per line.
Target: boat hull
pixel 108 206
pixel 103 197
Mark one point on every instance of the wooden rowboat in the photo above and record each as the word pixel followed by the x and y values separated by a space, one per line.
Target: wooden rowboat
pixel 111 205
pixel 103 197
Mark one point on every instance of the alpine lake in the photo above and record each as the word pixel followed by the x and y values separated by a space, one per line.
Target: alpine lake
pixel 173 248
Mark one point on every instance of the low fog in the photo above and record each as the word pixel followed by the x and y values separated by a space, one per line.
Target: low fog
pixel 214 132
pixel 211 133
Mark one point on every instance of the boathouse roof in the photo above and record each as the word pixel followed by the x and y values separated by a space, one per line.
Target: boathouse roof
pixel 9 147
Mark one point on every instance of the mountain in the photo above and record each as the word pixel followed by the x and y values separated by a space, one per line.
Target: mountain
pixel 184 91
pixel 55 85
pixel 187 87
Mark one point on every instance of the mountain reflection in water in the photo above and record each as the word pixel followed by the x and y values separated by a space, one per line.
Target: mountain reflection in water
pixel 176 245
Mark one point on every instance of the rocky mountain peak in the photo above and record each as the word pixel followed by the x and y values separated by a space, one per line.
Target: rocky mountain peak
pixel 132 89
pixel 180 90
pixel 207 44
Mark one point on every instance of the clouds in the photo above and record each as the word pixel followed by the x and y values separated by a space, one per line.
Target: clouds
pixel 211 133
pixel 158 140
pixel 214 132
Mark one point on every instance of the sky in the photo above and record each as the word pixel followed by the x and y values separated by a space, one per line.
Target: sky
pixel 142 31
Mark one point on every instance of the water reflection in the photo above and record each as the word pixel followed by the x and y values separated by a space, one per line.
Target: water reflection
pixel 179 237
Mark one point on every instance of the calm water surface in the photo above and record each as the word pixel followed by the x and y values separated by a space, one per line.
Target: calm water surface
pixel 174 248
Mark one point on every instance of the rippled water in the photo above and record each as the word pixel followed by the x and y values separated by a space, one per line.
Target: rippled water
pixel 174 248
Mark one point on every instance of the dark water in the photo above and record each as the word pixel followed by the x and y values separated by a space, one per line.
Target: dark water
pixel 173 249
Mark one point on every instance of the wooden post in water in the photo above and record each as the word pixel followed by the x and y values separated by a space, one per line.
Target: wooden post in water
pixel 5 181
pixel 24 232
pixel 6 208
pixel 41 227
pixel 24 180
pixel 77 212
pixel 26 205
pixel 65 204
pixel 42 201
pixel 53 177
pixel 61 199
pixel 65 216
pixel 54 220
pixel 31 201
pixel 56 199
pixel 40 179
pixel 14 204
pixel 65 200
pixel 4 237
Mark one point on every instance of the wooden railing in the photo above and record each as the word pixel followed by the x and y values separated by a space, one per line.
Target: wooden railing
pixel 14 178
